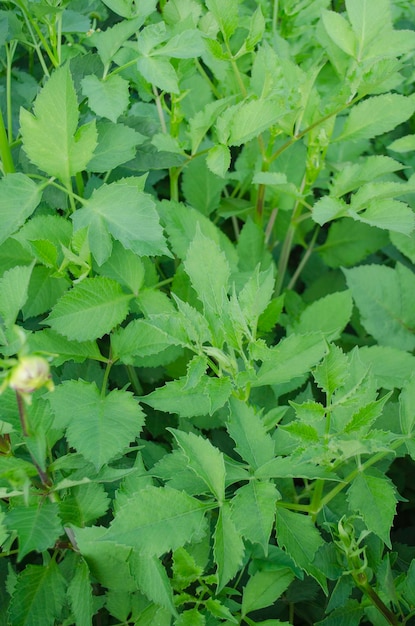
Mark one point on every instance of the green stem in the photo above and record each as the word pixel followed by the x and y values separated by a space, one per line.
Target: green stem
pixel 304 260
pixel 362 582
pixel 374 459
pixel 134 380
pixel 10 50
pixel 5 153
pixel 275 16
pixel 45 480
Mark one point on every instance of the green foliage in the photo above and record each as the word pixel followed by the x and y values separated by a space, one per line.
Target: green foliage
pixel 206 312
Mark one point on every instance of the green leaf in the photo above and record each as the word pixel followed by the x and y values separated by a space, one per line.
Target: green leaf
pixel 368 18
pixel 228 547
pixel 253 511
pixel 349 242
pixel 391 367
pixel 403 144
pixel 387 214
pixel 291 358
pixel 226 14
pixel 191 617
pixel 80 595
pixel 330 315
pixel 353 175
pixel 106 98
pixel 202 187
pixel 90 309
pixel 84 504
pixel 209 272
pixel 377 115
pixel 382 297
pixel 156 520
pixel 37 526
pixel 38 596
pixel 124 267
pixel 373 495
pixel 404 243
pixel 340 31
pixel 366 416
pixel 188 44
pixel 205 460
pixel 300 538
pixel 109 41
pixel 45 288
pixel 218 160
pixel 209 395
pixel 50 136
pixel 14 286
pixel 264 588
pixel 327 209
pixel 19 197
pixel 246 428
pixel 406 407
pixel 63 349
pixel 159 72
pixel 116 145
pixel 350 614
pixel 135 222
pixel 332 372
pixel 152 580
pixel 99 427
pixel 252 118
pixel 141 338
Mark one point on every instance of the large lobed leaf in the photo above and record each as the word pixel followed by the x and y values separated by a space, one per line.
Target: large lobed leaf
pixel 99 427
pixel 51 139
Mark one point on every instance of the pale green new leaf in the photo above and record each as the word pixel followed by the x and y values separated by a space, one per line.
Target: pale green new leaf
pixel 99 427
pixel 376 115
pixel 80 595
pixel 300 538
pixel 14 286
pixel 209 272
pixel 107 98
pixel 407 407
pixel 292 357
pixel 50 136
pixel 90 309
pixel 373 495
pixel 253 511
pixel 38 596
pixel 245 426
pixel 19 197
pixel 264 588
pixel 330 315
pixel 204 459
pixel 382 295
pixel 228 547
pixel 38 526
pixel 156 520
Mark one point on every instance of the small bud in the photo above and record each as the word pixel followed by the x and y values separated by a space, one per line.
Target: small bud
pixel 31 373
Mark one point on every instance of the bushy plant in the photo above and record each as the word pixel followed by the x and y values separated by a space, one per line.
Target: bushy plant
pixel 207 318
